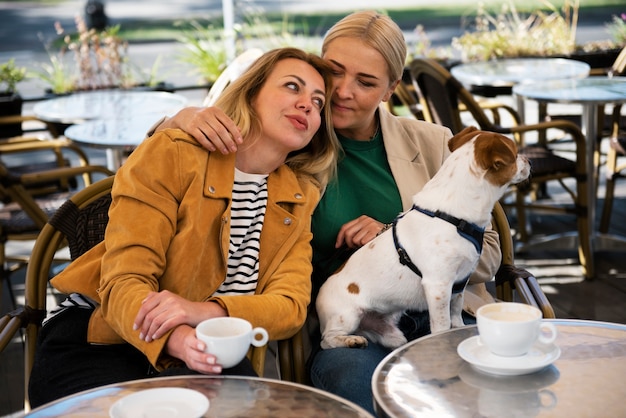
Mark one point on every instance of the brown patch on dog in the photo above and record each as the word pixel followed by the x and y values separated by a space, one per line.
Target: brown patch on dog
pixel 498 155
pixel 353 288
pixel 462 137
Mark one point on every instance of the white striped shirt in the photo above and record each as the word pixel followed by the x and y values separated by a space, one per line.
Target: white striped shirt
pixel 247 215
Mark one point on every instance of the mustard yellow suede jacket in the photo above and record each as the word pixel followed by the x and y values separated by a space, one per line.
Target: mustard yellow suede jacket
pixel 169 229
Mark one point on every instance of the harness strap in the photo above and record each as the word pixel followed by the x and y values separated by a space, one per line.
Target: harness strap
pixel 402 254
pixel 469 231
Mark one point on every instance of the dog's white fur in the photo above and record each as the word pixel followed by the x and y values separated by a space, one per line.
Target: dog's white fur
pixel 372 290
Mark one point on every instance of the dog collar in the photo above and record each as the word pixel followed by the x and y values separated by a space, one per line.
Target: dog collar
pixel 469 231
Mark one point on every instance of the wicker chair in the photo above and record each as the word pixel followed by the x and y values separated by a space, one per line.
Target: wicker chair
pixel 81 222
pixel 20 128
pixel 31 193
pixel 443 98
pixel 614 171
pixel 605 120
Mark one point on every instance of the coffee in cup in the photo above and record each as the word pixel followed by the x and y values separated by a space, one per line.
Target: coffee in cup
pixel 510 329
pixel 229 339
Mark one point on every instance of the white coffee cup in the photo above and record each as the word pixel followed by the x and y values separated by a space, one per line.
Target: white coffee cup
pixel 510 329
pixel 229 338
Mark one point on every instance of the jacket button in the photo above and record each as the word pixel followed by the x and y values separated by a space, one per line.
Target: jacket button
pixel 211 189
pixel 287 221
pixel 298 196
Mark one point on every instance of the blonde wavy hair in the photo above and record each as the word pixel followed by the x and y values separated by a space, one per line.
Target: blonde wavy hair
pixel 319 157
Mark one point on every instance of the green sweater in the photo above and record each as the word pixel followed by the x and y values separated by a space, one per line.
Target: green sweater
pixel 364 186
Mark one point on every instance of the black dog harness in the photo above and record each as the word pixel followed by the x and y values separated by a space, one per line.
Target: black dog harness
pixel 471 232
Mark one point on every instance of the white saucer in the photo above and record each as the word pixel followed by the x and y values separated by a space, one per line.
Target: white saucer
pixel 161 402
pixel 479 356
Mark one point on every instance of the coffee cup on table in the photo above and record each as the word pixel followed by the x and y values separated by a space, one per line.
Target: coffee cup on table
pixel 229 339
pixel 510 329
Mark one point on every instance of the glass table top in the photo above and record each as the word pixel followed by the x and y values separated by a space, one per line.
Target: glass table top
pixel 508 72
pixel 587 90
pixel 105 104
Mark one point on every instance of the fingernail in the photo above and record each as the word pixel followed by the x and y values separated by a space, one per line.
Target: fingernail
pixel 233 148
pixel 210 360
pixel 135 327
pixel 141 336
pixel 217 369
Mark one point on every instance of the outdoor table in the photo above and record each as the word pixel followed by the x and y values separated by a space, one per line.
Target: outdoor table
pixel 428 378
pixel 502 74
pixel 107 104
pixel 229 396
pixel 591 93
pixel 117 135
pixel 116 119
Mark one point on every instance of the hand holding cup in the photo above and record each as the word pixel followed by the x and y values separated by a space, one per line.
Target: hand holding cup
pixel 229 339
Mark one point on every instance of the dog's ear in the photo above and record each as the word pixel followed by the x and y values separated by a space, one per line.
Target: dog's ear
pixel 497 154
pixel 462 137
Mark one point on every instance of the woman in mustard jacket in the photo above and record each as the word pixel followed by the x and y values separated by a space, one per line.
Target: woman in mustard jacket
pixel 169 257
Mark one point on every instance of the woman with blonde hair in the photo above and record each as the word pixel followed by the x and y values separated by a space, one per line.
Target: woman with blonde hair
pixel 385 160
pixel 194 235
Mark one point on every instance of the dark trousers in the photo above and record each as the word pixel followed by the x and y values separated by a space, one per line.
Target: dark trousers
pixel 65 363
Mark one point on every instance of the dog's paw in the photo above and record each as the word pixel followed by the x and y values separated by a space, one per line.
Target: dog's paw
pixel 349 341
pixel 393 340
pixel 457 322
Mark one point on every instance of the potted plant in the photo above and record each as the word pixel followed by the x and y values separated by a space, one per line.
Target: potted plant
pixel 204 50
pixel 99 61
pixel 550 32
pixel 10 100
pixel 617 29
pixel 421 47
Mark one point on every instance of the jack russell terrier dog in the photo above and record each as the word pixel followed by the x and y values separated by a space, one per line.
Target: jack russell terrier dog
pixel 425 259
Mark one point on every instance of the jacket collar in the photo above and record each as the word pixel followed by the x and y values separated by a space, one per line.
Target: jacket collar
pixel 220 176
pixel 393 132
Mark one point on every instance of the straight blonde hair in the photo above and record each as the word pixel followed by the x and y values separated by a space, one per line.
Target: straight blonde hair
pixel 377 31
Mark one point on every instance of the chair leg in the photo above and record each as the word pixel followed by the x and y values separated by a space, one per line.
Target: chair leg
pixel 585 254
pixel 522 231
pixel 611 166
pixel 5 276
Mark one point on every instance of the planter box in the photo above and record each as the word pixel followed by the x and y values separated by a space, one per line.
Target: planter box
pixel 10 105
pixel 598 60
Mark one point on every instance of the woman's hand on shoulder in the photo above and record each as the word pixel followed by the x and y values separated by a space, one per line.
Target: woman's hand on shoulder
pixel 209 126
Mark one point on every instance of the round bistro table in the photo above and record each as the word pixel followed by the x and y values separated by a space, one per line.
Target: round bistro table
pixel 427 378
pixel 229 396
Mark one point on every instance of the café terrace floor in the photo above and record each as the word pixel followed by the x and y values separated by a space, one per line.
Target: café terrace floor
pixel 557 269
